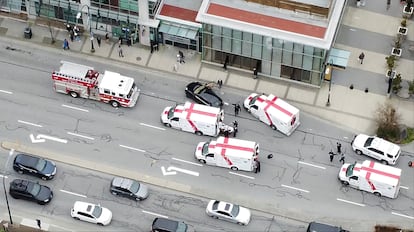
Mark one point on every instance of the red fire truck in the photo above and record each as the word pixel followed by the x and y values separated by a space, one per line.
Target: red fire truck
pixel 82 81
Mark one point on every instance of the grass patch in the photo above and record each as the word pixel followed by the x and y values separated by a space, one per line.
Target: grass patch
pixel 410 136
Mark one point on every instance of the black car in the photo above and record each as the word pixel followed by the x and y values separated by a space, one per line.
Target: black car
pixel 35 166
pixel 129 188
pixel 28 190
pixel 203 94
pixel 168 225
pixel 320 227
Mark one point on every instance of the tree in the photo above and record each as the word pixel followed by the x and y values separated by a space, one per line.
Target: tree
pixel 388 122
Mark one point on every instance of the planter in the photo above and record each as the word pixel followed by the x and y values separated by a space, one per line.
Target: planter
pixel 402 30
pixel 396 52
pixel 408 12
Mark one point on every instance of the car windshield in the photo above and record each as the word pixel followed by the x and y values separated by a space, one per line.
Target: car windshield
pixel 235 210
pixel 199 89
pixel 131 91
pixel 97 211
pixel 181 227
pixel 171 113
pixel 211 99
pixel 41 164
pixel 205 148
pixel 350 170
pixel 253 100
pixel 368 142
pixel 35 189
pixel 134 187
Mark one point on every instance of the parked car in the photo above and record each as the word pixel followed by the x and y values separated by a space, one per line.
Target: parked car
pixel 203 94
pixel 229 212
pixel 320 227
pixel 377 148
pixel 129 188
pixel 91 213
pixel 35 166
pixel 28 190
pixel 168 225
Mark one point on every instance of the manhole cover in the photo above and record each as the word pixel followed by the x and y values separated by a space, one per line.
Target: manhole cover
pixel 138 58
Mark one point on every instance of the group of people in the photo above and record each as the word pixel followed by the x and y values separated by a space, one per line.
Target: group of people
pixel 339 152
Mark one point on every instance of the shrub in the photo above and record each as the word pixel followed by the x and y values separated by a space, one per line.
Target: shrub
pixel 388 122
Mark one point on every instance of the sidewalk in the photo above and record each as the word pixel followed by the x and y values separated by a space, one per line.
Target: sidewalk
pixel 352 109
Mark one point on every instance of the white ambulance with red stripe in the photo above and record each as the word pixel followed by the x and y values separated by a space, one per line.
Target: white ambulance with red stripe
pixel 194 118
pixel 228 152
pixel 83 81
pixel 273 111
pixel 380 179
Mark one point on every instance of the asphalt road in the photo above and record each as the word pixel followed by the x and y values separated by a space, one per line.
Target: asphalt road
pixel 298 182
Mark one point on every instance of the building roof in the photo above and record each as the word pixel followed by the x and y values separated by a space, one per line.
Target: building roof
pixel 180 11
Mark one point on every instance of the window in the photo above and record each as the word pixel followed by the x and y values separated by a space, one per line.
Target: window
pixel 107 91
pixel 85 214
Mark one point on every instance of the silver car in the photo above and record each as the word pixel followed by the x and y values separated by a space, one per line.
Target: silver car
pixel 129 188
pixel 229 212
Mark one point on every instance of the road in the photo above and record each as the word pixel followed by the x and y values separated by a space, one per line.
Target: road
pixel 298 182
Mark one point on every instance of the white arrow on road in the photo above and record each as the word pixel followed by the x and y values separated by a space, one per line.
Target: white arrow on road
pixel 42 138
pixel 173 171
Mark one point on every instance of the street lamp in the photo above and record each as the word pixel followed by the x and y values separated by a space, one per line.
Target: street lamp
pixel 328 71
pixel 4 187
pixel 78 16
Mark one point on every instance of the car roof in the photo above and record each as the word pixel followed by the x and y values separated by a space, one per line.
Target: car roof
pixel 26 160
pixel 320 227
pixel 164 223
pixel 81 206
pixel 122 182
pixel 19 184
pixel 223 206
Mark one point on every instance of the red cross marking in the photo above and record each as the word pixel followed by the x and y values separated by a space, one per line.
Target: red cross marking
pixel 371 170
pixel 272 103
pixel 225 145
pixel 190 111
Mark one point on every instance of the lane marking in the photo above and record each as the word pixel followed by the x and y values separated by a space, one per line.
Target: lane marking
pixel 302 190
pixel 82 136
pixel 75 108
pixel 29 123
pixel 188 162
pixel 171 168
pixel 350 202
pixel 4 91
pixel 76 194
pixel 131 148
pixel 40 136
pixel 155 214
pixel 402 215
pixel 403 187
pixel 237 174
pixel 151 126
pixel 313 165
pixel 352 29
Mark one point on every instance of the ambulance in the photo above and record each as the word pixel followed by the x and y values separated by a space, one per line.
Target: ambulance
pixel 273 111
pixel 380 179
pixel 195 118
pixel 228 152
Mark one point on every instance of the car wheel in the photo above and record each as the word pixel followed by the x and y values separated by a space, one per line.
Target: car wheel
pixel 76 218
pixel 345 182
pixel 43 178
pixel 199 133
pixel 20 171
pixel 384 162
pixel 410 164
pixel 241 223
pixel 167 124
pixel 359 152
pixel 273 127
pixel 114 104
pixel 114 193
pixel 234 168
pixel 202 161
pixel 377 194
pixel 100 224
pixel 74 94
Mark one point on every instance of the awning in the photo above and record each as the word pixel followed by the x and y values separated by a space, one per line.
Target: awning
pixel 338 58
pixel 178 30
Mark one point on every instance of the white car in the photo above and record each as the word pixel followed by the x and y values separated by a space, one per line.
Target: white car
pixel 91 213
pixel 377 148
pixel 228 212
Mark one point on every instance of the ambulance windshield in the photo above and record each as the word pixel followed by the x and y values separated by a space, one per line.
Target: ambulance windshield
pixel 131 91
pixel 350 170
pixel 253 100
pixel 205 148
pixel 171 113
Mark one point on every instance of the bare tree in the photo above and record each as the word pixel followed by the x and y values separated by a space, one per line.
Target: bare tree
pixel 388 122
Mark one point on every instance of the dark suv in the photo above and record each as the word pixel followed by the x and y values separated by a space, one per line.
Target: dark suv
pixel 129 188
pixel 34 166
pixel 168 225
pixel 28 190
pixel 320 227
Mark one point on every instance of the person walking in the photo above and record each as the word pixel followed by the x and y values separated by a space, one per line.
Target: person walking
pixel 255 73
pixel 255 166
pixel 219 83
pixel 226 62
pixel 98 39
pixel 236 109
pixel 65 44
pixel 361 57
pixel 72 35
pixel 258 166
pixel 120 52
pixel 331 156
pixel 342 159
pixel 235 128
pixel 181 54
pixel 338 147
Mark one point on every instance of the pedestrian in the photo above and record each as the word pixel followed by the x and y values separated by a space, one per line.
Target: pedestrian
pixel 120 52
pixel 65 44
pixel 388 4
pixel 235 128
pixel 98 39
pixel 361 57
pixel 181 54
pixel 226 62
pixel 39 223
pixel 226 133
pixel 258 166
pixel 342 159
pixel 255 73
pixel 156 46
pixel 107 37
pixel 269 156
pixel 255 166
pixel 236 109
pixel 331 156
pixel 338 147
pixel 219 83
pixel 152 47
pixel 72 36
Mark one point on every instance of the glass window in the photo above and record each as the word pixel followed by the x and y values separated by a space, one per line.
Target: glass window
pixel 247 44
pixel 226 39
pixel 236 42
pixel 257 46
pixel 267 48
pixel 297 55
pixel 287 53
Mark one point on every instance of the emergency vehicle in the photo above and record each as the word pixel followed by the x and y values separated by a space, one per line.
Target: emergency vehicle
pixel 273 111
pixel 195 118
pixel 380 179
pixel 228 152
pixel 83 81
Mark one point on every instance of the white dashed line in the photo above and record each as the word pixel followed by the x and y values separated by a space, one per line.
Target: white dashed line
pixel 188 162
pixel 131 148
pixel 302 190
pixel 76 194
pixel 4 91
pixel 403 187
pixel 75 108
pixel 402 215
pixel 237 174
pixel 155 214
pixel 313 165
pixel 350 202
pixel 82 136
pixel 155 127
pixel 29 123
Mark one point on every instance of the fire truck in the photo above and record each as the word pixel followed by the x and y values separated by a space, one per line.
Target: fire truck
pixel 83 81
